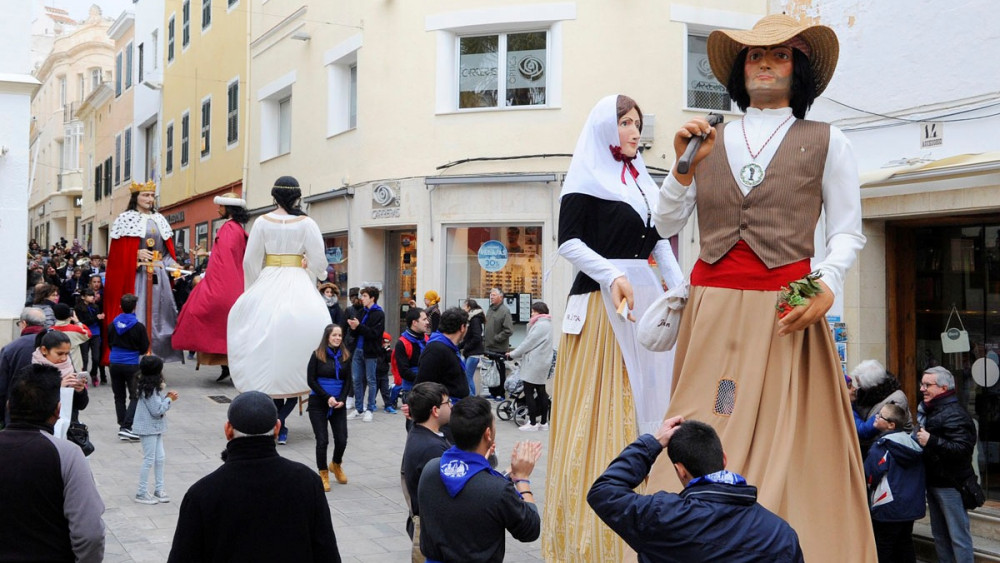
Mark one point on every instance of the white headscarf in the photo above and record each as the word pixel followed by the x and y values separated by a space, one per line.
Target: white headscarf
pixel 594 171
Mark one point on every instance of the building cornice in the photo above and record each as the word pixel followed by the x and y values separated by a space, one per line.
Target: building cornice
pixel 19 83
pixel 57 57
pixel 124 22
pixel 100 96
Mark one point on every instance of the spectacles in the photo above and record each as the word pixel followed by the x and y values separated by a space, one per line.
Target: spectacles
pixel 879 415
pixel 446 402
pixel 925 385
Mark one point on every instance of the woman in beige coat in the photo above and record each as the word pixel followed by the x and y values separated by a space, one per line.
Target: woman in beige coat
pixel 535 356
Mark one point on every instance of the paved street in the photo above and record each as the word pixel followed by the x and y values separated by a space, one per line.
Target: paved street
pixel 368 513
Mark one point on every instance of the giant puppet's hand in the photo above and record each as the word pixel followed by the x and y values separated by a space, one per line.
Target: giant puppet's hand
pixel 803 316
pixel 697 126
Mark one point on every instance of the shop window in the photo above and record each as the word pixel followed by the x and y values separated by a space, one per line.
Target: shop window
pixel 703 90
pixel 181 244
pixel 504 256
pixel 336 258
pixel 216 225
pixel 201 241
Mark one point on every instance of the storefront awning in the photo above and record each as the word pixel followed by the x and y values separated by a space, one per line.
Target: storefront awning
pixel 958 164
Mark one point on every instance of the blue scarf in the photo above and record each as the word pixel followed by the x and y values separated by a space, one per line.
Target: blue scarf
pixel 458 466
pixel 332 386
pixel 720 477
pixel 439 337
pixel 361 338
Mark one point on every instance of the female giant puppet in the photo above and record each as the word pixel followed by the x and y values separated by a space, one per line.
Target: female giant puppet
pixel 771 385
pixel 135 235
pixel 201 326
pixel 608 389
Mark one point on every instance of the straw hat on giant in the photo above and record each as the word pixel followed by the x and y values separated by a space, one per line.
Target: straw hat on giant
pixel 725 44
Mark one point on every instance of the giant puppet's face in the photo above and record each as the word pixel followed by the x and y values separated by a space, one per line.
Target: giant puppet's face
pixel 145 201
pixel 768 73
pixel 628 132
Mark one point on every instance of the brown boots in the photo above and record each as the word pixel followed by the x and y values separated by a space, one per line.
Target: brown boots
pixel 338 473
pixel 325 476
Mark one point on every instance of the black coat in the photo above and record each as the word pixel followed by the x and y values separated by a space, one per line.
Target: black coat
pixel 372 330
pixel 472 345
pixel 258 506
pixel 440 364
pixel 948 452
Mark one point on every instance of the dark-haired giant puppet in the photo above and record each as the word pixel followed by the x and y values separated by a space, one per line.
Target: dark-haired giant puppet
pixel 135 235
pixel 201 325
pixel 279 320
pixel 771 384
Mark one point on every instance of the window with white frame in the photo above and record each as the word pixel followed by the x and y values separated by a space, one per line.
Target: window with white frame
pixel 206 14
pixel 276 117
pixel 704 91
pixel 73 135
pixel 505 69
pixel 62 90
pixel 206 127
pixel 95 78
pixel 128 66
pixel 170 37
pixel 170 148
pixel 81 85
pixel 185 138
pixel 233 112
pixel 186 23
pixel 118 74
pixel 342 86
pixel 118 159
pixel 127 156
pixel 501 57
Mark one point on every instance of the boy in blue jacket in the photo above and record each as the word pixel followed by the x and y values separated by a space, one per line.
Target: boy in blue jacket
pixel 128 340
pixel 894 469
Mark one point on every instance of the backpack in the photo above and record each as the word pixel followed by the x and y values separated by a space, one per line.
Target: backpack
pixel 408 346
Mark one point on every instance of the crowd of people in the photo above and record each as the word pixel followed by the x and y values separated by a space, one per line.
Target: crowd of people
pixel 745 478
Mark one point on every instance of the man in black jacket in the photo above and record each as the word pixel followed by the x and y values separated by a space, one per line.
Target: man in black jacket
pixel 430 409
pixel 441 360
pixel 17 353
pixel 51 507
pixel 367 332
pixel 258 506
pixel 948 437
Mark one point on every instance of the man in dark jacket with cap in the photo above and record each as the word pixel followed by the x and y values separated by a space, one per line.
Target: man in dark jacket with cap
pixel 17 354
pixel 258 506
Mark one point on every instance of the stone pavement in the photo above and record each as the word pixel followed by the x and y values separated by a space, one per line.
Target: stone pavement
pixel 368 513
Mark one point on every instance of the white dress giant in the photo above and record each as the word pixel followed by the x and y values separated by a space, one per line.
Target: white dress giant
pixel 280 318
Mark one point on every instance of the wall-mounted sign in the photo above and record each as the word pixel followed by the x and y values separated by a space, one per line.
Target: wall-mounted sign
pixel 492 256
pixel 175 217
pixel 931 134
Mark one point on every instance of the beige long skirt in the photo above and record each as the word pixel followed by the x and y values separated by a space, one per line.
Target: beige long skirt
pixel 593 419
pixel 781 407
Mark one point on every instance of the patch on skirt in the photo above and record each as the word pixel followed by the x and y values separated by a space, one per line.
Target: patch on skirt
pixel 725 397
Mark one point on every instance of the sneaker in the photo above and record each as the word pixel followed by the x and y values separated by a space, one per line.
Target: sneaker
pixel 145 499
pixel 127 434
pixel 353 414
pixel 368 416
pixel 498 398
pixel 283 436
pixel 349 403
pixel 529 427
pixel 161 496
pixel 543 426
pixel 390 410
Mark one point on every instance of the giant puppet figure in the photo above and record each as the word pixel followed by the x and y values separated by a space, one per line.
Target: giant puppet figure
pixel 201 325
pixel 769 380
pixel 142 250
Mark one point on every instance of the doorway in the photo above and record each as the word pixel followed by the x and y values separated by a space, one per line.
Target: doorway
pixel 400 291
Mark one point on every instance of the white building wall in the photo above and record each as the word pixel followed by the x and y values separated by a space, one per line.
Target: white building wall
pixel 16 88
pixel 147 101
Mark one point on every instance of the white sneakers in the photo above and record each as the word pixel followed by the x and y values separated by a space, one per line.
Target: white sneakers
pixel 368 416
pixel 353 414
pixel 529 427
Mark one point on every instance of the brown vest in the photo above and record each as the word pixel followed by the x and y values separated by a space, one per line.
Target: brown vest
pixel 777 218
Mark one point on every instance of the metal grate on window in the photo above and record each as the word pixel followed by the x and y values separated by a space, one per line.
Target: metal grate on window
pixel 709 100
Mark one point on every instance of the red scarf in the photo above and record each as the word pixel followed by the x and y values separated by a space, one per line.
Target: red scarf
pixel 616 153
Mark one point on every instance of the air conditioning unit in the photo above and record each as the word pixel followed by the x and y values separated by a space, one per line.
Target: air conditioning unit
pixel 648 128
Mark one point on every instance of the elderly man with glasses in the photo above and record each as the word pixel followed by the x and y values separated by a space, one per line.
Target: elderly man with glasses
pixel 948 437
pixel 17 353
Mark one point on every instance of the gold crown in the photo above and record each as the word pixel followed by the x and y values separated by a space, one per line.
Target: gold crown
pixel 136 187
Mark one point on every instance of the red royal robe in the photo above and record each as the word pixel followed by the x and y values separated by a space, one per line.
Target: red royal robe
pixel 119 280
pixel 201 325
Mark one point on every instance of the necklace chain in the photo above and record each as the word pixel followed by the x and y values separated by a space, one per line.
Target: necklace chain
pixel 773 133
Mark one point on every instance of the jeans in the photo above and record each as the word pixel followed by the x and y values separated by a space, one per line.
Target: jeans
pixel 319 415
pixel 537 406
pixel 285 408
pixel 363 371
pixel 152 456
pixel 950 525
pixel 123 377
pixel 471 364
pixel 382 382
pixel 894 541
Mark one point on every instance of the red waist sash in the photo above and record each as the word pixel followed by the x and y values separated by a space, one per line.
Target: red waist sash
pixel 740 268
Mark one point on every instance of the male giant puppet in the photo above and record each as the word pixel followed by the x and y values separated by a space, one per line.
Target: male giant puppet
pixel 201 326
pixel 136 235
pixel 771 385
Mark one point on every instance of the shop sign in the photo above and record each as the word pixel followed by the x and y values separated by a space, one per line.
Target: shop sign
pixel 385 201
pixel 175 217
pixel 492 256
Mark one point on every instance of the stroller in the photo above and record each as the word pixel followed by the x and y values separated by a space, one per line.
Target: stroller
pixel 515 406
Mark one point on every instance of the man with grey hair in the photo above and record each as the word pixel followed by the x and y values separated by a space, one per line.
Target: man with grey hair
pixel 496 336
pixel 948 437
pixel 258 506
pixel 17 354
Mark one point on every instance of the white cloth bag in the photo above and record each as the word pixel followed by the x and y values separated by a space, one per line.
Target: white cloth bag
pixel 659 326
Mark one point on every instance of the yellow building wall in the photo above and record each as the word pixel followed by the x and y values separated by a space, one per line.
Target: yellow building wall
pixel 213 58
